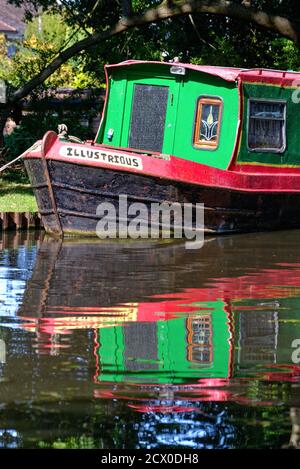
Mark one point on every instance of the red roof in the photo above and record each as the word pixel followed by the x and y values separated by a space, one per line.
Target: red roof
pixel 12 17
pixel 231 74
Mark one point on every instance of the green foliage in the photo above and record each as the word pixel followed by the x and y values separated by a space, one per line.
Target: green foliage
pixel 286 55
pixel 48 27
pixel 82 442
pixel 44 37
pixel 34 126
pixel 206 39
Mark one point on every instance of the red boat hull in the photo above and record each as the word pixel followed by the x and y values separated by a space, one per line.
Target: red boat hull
pixel 70 181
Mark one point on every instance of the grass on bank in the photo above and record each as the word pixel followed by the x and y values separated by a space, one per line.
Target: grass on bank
pixel 16 194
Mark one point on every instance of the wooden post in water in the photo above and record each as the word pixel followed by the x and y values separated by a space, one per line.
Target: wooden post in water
pixel 2 351
pixel 19 221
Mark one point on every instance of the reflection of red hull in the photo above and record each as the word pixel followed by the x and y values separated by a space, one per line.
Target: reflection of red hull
pixel 265 284
pixel 162 398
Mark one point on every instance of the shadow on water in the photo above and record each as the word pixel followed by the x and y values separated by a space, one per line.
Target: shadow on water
pixel 121 345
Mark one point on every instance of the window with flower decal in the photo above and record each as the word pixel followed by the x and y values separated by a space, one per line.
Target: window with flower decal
pixel 208 123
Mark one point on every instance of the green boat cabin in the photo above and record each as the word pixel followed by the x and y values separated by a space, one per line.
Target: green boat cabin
pixel 219 117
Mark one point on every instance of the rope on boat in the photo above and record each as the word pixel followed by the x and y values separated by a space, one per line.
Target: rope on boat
pixel 13 161
pixel 62 132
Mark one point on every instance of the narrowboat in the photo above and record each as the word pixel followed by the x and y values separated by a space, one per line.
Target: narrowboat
pixel 227 138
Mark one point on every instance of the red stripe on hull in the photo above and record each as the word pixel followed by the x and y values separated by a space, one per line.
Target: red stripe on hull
pixel 258 178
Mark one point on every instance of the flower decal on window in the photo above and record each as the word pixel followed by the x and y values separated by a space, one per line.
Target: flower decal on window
pixel 208 119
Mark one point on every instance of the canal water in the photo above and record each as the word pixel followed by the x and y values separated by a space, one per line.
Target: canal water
pixel 149 345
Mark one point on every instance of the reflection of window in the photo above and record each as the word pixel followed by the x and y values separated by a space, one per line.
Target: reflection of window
pixel 208 122
pixel 266 125
pixel 199 339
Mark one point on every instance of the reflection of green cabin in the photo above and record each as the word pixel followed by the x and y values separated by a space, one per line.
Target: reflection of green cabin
pixel 205 344
pixel 167 351
pixel 265 337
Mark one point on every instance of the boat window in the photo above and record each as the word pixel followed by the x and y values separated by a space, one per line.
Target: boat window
pixel 208 123
pixel 266 126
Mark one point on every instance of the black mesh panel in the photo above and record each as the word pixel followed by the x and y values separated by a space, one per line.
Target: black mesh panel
pixel 148 117
pixel 140 341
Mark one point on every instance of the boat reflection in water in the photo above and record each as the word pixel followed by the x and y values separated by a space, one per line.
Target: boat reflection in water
pixel 173 327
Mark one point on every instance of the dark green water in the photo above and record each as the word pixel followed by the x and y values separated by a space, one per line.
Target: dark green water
pixel 115 345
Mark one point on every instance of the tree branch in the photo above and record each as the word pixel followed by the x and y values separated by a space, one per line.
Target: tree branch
pixel 77 18
pixel 279 24
pixel 198 34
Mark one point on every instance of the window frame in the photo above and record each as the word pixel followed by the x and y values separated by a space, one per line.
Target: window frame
pixel 284 120
pixel 197 144
pixel 191 345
